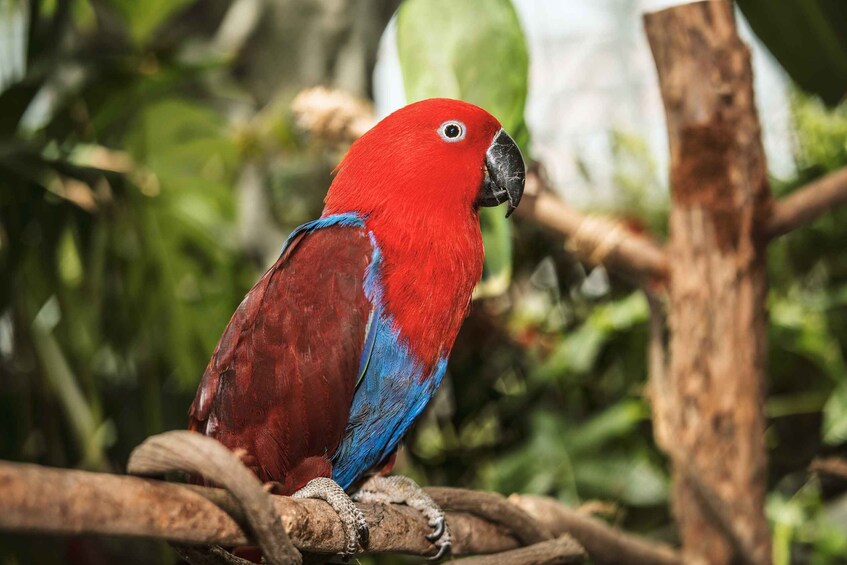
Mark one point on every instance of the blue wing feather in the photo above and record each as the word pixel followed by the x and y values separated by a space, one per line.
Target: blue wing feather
pixel 392 391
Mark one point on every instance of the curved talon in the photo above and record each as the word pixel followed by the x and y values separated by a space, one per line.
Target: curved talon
pixel 443 550
pixel 438 532
pixel 364 534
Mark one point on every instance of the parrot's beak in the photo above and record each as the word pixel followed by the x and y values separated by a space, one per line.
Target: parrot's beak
pixel 504 173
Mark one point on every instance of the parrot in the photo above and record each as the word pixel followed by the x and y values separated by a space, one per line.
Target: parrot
pixel 342 343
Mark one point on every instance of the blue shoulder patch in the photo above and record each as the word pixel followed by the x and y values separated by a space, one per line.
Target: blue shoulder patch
pixel 351 219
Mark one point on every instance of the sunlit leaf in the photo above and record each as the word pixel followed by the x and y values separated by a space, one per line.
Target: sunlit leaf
pixel 835 416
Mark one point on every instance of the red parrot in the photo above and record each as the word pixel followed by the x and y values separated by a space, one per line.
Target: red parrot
pixel 344 340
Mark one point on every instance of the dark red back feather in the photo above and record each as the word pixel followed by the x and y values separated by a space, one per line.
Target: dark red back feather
pixel 281 380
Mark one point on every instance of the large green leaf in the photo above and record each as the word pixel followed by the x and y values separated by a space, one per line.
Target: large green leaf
pixel 187 229
pixel 808 38
pixel 472 50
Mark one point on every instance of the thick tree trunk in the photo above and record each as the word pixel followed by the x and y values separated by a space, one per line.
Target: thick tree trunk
pixel 710 403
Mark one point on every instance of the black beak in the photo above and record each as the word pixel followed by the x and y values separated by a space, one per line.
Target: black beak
pixel 504 173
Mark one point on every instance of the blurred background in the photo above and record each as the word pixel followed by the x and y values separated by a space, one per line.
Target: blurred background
pixel 151 167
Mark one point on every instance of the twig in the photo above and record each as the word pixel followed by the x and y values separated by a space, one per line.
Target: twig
pixel 493 508
pixel 596 239
pixel 835 466
pixel 603 543
pixel 560 551
pixel 807 203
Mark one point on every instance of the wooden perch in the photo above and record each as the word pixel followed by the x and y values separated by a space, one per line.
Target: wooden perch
pixel 56 501
pixel 59 501
pixel 710 412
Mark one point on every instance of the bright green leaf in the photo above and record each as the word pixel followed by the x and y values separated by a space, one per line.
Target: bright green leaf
pixel 835 416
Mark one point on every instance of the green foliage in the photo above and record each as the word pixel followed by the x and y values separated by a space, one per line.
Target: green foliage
pixel 809 273
pixel 143 18
pixel 117 219
pixel 808 341
pixel 441 44
pixel 805 530
pixel 440 53
pixel 592 459
pixel 821 142
pixel 808 38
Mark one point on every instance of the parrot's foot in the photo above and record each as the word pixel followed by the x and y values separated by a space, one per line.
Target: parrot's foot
pixel 403 490
pixel 355 526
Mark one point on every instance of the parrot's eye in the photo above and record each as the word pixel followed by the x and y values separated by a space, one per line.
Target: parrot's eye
pixel 452 131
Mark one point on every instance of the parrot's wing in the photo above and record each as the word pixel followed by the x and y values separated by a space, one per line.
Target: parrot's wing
pixel 282 377
pixel 367 351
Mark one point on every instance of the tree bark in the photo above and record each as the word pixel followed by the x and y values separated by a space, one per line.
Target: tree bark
pixel 710 409
pixel 62 501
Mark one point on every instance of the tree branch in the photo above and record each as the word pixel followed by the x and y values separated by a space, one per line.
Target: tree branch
pixel 603 543
pixel 594 239
pixel 808 203
pixel 562 551
pixel 59 501
pixel 835 466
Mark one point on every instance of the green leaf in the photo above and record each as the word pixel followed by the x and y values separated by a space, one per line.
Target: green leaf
pixel 835 416
pixel 808 38
pixel 632 480
pixel 497 238
pixel 613 423
pixel 142 18
pixel 187 224
pixel 579 349
pixel 575 355
pixel 475 51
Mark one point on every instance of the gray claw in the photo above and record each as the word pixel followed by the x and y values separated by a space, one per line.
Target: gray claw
pixel 403 490
pixel 356 530
pixel 438 531
pixel 443 550
pixel 364 534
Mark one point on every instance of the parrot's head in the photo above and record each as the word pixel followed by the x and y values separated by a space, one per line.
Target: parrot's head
pixel 437 157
